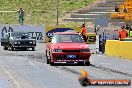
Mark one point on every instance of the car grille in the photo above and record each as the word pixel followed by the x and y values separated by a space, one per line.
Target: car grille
pixel 70 50
pixel 24 43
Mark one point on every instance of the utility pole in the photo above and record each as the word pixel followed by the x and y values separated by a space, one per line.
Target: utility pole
pixel 57 13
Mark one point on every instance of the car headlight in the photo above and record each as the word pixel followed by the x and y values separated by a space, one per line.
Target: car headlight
pixel 85 50
pixel 57 50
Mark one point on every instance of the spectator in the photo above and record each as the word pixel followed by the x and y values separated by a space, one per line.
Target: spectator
pixel 123 33
pixel 84 31
pixel 116 9
pixel 21 16
pixel 128 27
pixel 97 29
pixel 125 9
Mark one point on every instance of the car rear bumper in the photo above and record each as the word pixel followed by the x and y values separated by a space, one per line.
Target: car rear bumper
pixel 61 57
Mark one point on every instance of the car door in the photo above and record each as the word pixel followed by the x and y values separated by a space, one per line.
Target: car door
pixel 5 40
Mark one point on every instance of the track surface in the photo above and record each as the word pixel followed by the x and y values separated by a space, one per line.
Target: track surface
pixel 27 69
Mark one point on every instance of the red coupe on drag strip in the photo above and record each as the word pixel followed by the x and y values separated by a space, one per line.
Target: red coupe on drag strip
pixel 67 47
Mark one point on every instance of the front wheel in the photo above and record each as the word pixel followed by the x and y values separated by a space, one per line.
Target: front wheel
pixel 12 48
pixel 80 63
pixel 47 58
pixel 87 63
pixel 33 48
pixel 47 61
pixel 5 48
pixel 52 63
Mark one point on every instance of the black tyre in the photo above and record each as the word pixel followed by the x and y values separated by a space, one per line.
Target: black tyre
pixel 5 48
pixel 33 48
pixel 46 54
pixel 87 63
pixel 47 61
pixel 26 49
pixel 80 63
pixel 52 63
pixel 47 58
pixel 12 48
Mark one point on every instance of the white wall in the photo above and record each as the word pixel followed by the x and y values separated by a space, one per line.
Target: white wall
pixel 33 30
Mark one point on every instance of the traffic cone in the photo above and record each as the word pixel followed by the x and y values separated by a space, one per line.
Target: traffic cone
pixel 84 80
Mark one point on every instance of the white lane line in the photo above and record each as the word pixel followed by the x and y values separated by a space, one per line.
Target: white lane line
pixel 11 77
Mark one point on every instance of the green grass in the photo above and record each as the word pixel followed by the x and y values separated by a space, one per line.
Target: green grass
pixel 43 11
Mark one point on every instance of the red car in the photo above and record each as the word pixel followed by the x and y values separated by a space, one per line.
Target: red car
pixel 67 47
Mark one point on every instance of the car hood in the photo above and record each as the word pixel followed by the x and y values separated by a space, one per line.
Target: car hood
pixel 19 39
pixel 70 46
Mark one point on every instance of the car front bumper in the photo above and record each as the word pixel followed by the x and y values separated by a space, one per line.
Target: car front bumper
pixel 62 57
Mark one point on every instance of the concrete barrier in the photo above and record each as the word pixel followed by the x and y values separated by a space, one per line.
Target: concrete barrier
pixel 120 49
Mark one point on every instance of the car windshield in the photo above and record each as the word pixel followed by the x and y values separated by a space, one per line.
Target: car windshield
pixel 62 38
pixel 19 34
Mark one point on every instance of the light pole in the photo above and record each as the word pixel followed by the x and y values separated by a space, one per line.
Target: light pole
pixel 57 13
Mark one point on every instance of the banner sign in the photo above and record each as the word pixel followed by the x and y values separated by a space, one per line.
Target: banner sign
pixel 91 37
pixel 50 32
pixel 34 31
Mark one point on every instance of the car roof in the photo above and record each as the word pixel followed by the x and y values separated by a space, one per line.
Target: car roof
pixel 66 33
